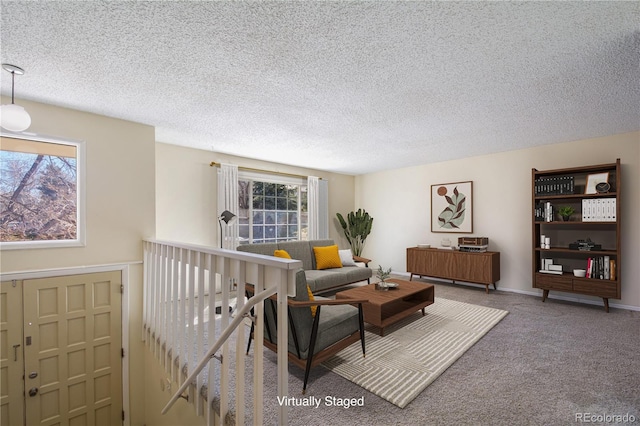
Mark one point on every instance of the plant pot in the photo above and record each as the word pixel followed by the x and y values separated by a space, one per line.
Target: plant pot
pixel 566 218
pixel 382 286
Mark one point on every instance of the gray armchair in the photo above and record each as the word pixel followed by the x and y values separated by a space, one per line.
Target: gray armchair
pixel 313 339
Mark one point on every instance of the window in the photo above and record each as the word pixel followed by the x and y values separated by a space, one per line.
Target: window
pixel 271 211
pixel 40 192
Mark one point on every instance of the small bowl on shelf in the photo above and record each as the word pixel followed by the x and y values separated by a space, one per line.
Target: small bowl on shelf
pixel 580 273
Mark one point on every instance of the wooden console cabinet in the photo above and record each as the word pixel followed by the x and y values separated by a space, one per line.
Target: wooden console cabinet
pixel 477 268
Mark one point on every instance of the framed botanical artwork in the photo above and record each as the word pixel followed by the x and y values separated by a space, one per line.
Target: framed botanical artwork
pixel 593 180
pixel 452 207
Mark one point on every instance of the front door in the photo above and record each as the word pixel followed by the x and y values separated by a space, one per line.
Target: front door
pixel 72 350
pixel 11 360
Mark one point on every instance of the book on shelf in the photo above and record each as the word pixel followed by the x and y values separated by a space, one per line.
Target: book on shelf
pixel 538 212
pixel 612 269
pixel 601 267
pixel 544 212
pixel 548 212
pixel 554 185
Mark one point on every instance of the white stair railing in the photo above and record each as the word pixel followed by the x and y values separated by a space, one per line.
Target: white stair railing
pixel 183 284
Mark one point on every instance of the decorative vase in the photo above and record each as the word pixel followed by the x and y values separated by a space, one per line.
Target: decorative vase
pixel 382 286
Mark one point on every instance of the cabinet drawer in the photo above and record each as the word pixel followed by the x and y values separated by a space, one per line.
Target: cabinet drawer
pixel 554 282
pixel 601 288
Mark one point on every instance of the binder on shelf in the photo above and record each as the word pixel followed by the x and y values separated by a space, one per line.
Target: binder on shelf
pixel 613 210
pixel 599 210
pixel 586 215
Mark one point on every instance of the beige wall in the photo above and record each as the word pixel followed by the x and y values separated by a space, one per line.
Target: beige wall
pixel 120 206
pixel 186 193
pixel 119 189
pixel 399 201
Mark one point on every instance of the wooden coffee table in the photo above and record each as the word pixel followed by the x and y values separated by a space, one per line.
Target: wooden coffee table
pixel 388 307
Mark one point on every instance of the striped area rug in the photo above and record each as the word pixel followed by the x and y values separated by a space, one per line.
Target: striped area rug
pixel 415 351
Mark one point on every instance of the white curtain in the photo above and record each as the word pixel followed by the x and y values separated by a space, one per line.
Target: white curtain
pixel 323 209
pixel 317 199
pixel 228 200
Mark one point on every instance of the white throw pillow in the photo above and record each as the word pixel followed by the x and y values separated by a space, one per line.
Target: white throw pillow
pixel 346 258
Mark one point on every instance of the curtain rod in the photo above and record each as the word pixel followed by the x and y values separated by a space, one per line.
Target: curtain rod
pixel 250 169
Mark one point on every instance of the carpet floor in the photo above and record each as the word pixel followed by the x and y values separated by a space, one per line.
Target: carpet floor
pixel 415 351
pixel 543 364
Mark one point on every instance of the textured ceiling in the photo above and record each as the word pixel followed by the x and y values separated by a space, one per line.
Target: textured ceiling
pixel 351 87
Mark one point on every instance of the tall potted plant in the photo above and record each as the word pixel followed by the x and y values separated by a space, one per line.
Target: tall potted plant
pixel 356 228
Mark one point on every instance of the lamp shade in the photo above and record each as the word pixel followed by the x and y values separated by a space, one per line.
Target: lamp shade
pixel 226 216
pixel 14 118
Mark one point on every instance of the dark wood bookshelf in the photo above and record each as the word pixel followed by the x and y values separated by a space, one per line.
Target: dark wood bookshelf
pixel 608 231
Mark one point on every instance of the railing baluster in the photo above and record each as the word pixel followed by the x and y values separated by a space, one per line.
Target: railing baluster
pixel 162 314
pixel 239 277
pixel 200 343
pixel 152 290
pixel 182 314
pixel 258 352
pixel 154 312
pixel 283 372
pixel 174 310
pixel 210 413
pixel 190 349
pixel 146 283
pixel 222 266
pixel 175 275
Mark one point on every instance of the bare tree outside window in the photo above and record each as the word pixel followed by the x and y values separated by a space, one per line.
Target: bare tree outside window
pixel 38 191
pixel 271 212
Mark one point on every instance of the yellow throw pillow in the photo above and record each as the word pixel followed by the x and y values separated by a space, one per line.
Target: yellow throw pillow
pixel 281 253
pixel 327 257
pixel 313 308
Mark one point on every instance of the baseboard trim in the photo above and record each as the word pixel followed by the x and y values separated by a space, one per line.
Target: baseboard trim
pixel 552 295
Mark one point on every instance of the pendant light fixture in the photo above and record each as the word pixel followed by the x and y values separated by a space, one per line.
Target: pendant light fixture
pixel 14 117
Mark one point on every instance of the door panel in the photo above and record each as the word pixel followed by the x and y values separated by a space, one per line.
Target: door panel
pixel 74 326
pixel 11 359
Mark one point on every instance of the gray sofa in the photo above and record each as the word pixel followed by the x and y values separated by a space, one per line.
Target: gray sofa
pixel 317 280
